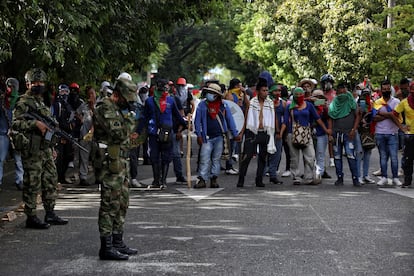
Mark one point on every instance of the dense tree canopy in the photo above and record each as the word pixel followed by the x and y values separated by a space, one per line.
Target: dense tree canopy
pixel 89 40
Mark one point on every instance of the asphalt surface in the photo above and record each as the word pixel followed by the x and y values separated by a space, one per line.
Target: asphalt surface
pixel 276 230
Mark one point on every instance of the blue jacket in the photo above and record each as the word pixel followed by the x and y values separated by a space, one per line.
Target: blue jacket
pixel 200 121
pixel 149 118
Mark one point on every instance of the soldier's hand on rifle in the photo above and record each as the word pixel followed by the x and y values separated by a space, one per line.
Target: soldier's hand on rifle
pixel 42 127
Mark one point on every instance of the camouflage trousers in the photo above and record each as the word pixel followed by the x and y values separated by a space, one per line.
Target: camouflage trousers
pixel 40 175
pixel 114 201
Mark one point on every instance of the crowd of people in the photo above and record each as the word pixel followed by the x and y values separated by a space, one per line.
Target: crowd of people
pixel 309 124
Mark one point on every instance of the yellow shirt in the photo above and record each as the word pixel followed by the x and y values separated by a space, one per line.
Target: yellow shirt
pixel 403 106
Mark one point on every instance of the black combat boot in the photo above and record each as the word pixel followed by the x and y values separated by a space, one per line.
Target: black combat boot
pixel 54 219
pixel 213 182
pixel 118 244
pixel 164 173
pixel 156 172
pixel 35 223
pixel 107 252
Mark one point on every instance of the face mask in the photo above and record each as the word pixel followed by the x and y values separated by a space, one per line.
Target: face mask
pixel 358 92
pixel 300 99
pixel 37 90
pixel 386 94
pixel 143 97
pixel 211 97
pixel 181 90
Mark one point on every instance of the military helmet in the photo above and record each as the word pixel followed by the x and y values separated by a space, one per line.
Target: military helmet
pixel 127 89
pixel 35 74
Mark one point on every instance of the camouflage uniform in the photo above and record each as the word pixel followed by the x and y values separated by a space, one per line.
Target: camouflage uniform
pixel 40 170
pixel 37 152
pixel 113 127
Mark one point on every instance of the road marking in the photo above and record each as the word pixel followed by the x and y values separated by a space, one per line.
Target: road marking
pixel 321 219
pixel 199 194
pixel 399 191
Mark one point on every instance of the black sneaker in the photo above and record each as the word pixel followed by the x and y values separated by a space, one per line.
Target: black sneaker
pixel 181 179
pixel 84 182
pixel 34 222
pixel 54 219
pixel 275 180
pixel 406 185
pixel 339 182
pixel 326 175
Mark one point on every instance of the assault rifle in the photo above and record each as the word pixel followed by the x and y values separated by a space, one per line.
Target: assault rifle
pixel 53 129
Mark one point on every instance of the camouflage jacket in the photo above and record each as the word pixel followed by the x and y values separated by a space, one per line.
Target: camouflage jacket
pixel 112 127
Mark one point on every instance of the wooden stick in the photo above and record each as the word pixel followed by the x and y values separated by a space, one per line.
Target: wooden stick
pixel 188 156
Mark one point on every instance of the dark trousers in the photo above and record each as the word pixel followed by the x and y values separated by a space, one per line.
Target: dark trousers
pixel 408 158
pixel 251 142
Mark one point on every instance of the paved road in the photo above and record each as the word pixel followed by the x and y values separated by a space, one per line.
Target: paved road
pixel 276 230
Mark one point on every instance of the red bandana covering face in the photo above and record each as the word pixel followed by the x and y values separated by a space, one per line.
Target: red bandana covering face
pixel 163 102
pixel 214 108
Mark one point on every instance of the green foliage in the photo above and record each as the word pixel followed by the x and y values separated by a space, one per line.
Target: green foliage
pixel 88 40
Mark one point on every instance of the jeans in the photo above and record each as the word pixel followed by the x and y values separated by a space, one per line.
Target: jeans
pixel 388 149
pixel 133 162
pixel 210 151
pixel 176 156
pixel 274 159
pixel 84 159
pixel 341 140
pixel 363 156
pixel 321 145
pixel 4 149
pixel 159 153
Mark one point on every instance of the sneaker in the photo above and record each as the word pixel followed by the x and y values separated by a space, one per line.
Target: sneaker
pixel 275 180
pixel 339 181
pixel 368 180
pixel 297 182
pixel 326 175
pixel 232 171
pixel 406 185
pixel 286 174
pixel 181 179
pixel 400 172
pixel 383 182
pixel 396 182
pixel 213 182
pixel 84 182
pixel 235 157
pixel 200 184
pixel 377 173
pixel 356 182
pixel 331 162
pixel 135 184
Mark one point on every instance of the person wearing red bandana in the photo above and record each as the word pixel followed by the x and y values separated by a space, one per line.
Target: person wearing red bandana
pixel 304 113
pixel 406 106
pixel 212 119
pixel 157 118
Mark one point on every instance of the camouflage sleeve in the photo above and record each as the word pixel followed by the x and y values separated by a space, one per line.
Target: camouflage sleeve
pixel 20 122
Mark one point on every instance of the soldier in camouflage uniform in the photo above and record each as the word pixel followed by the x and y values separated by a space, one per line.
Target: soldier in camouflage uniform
pixel 37 152
pixel 114 125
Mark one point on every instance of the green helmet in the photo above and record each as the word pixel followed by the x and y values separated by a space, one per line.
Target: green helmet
pixel 35 74
pixel 127 89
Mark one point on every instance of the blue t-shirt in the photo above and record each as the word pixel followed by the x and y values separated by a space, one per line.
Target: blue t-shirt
pixel 305 117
